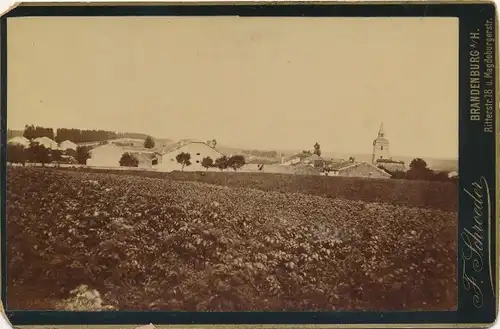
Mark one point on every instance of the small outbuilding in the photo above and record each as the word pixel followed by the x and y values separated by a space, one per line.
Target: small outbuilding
pixel 19 140
pixel 47 142
pixel 67 145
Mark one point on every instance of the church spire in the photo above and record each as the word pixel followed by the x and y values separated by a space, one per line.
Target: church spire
pixel 381 130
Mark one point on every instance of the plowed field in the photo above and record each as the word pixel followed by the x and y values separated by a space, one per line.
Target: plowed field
pixel 149 243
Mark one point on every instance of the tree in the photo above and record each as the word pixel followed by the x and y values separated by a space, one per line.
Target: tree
pixel 82 155
pixel 37 153
pixel 149 142
pixel 222 162
pixel 418 164
pixel 395 174
pixel 207 162
pixel 419 170
pixel 56 155
pixel 29 132
pixel 184 159
pixel 70 152
pixel 128 160
pixel 317 149
pixel 16 154
pixel 236 162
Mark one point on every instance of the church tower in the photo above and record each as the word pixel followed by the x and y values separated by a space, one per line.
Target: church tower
pixel 380 147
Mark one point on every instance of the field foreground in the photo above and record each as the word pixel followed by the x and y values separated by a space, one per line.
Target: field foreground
pixel 164 244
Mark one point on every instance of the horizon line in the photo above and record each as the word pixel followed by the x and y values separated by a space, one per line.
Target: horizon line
pixel 278 150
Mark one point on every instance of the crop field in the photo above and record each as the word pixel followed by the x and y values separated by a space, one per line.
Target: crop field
pixel 229 244
pixel 435 195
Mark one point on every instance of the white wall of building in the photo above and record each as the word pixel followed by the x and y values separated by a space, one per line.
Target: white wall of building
pixel 67 145
pixel 107 155
pixel 19 141
pixel 197 150
pixel 47 142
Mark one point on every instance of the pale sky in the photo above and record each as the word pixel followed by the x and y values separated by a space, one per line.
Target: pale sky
pixel 266 83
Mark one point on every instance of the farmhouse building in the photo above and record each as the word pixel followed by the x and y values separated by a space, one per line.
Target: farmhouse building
pixel 47 142
pixel 67 145
pixel 109 155
pixel 197 150
pixel 358 169
pixel 19 140
pixel 381 156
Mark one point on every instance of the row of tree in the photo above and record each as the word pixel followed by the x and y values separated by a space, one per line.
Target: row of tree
pixel 234 162
pixel 37 153
pixel 74 135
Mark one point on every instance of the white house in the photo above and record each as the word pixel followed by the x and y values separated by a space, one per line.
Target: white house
pixel 197 150
pixel 67 145
pixel 109 155
pixel 47 142
pixel 19 140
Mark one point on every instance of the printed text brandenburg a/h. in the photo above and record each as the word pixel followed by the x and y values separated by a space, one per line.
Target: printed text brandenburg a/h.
pixel 481 76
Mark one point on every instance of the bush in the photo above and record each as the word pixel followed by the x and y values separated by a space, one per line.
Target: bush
pixel 82 155
pixel 128 160
pixel 16 154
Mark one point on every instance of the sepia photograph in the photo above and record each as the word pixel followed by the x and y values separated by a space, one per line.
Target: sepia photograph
pixel 210 163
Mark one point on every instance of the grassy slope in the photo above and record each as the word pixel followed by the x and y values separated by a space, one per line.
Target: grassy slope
pixel 148 243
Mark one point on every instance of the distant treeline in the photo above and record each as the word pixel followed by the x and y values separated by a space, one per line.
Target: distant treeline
pixel 257 153
pixel 74 135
